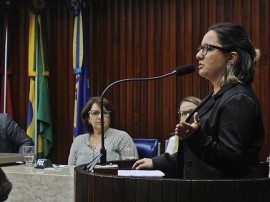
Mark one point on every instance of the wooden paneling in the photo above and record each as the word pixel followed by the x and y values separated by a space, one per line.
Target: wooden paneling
pixel 133 38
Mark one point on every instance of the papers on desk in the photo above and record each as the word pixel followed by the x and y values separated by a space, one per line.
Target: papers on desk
pixel 57 167
pixel 106 166
pixel 60 166
pixel 141 173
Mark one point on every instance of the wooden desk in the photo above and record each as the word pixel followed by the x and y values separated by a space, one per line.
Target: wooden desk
pixel 93 187
pixel 32 184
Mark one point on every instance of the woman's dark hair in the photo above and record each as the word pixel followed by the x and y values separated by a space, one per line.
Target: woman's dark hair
pixel 234 37
pixel 85 112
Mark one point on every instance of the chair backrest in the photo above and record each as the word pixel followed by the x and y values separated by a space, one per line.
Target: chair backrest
pixel 147 148
pixel 171 144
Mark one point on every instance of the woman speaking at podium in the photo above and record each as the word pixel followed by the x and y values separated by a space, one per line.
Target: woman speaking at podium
pixel 222 137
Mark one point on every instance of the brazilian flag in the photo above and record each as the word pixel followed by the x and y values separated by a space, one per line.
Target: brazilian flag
pixel 39 124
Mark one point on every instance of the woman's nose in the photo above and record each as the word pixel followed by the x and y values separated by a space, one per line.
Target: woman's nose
pixel 199 55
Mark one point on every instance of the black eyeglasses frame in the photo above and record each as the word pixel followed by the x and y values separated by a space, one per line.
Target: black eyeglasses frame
pixel 208 46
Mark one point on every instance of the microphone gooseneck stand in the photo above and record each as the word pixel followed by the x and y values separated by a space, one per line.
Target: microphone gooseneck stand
pixel 186 69
pixel 103 151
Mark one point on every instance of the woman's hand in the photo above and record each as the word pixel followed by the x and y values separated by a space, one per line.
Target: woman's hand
pixel 143 163
pixel 184 129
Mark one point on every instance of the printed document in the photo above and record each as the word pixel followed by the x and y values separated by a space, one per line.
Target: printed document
pixel 141 173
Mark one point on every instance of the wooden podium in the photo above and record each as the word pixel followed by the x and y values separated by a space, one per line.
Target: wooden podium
pixel 94 186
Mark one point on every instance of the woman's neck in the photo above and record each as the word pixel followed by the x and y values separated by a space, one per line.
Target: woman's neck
pixel 216 87
pixel 216 84
pixel 216 90
pixel 98 132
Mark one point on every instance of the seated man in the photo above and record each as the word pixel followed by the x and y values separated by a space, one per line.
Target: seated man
pixel 12 137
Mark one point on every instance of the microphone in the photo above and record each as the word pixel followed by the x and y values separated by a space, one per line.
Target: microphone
pixel 183 70
pixel 180 71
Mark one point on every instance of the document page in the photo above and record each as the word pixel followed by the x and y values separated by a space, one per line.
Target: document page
pixel 141 173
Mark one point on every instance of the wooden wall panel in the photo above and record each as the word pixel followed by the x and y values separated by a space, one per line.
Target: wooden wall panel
pixel 134 38
pixel 264 72
pixel 150 68
pixel 123 62
pixel 172 64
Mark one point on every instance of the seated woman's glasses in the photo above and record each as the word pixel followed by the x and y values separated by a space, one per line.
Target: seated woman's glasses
pixel 96 113
pixel 184 113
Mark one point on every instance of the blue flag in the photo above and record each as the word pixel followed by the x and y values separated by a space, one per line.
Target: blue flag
pixel 80 66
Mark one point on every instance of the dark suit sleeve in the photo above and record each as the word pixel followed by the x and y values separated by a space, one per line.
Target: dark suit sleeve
pixel 16 135
pixel 165 162
pixel 238 135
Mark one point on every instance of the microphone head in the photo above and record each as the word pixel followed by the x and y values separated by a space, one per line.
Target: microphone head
pixel 185 69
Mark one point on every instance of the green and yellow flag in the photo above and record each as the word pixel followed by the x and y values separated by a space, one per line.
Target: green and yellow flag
pixel 39 126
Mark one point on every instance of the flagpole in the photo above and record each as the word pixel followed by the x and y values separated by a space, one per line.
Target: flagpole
pixel 5 71
pixel 36 99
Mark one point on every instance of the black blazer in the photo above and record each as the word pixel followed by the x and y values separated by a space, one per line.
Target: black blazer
pixel 228 141
pixel 12 137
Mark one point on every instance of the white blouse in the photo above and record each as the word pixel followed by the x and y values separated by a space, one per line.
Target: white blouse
pixel 81 152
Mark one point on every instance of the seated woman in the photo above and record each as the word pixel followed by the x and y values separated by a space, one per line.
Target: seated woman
pixel 186 106
pixel 87 146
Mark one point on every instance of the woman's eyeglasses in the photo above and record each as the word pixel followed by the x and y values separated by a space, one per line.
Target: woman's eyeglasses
pixel 206 47
pixel 96 113
pixel 184 113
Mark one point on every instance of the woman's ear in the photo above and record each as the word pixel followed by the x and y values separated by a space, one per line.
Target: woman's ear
pixel 232 58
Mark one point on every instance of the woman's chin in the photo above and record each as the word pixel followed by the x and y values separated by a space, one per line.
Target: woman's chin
pixel 202 74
